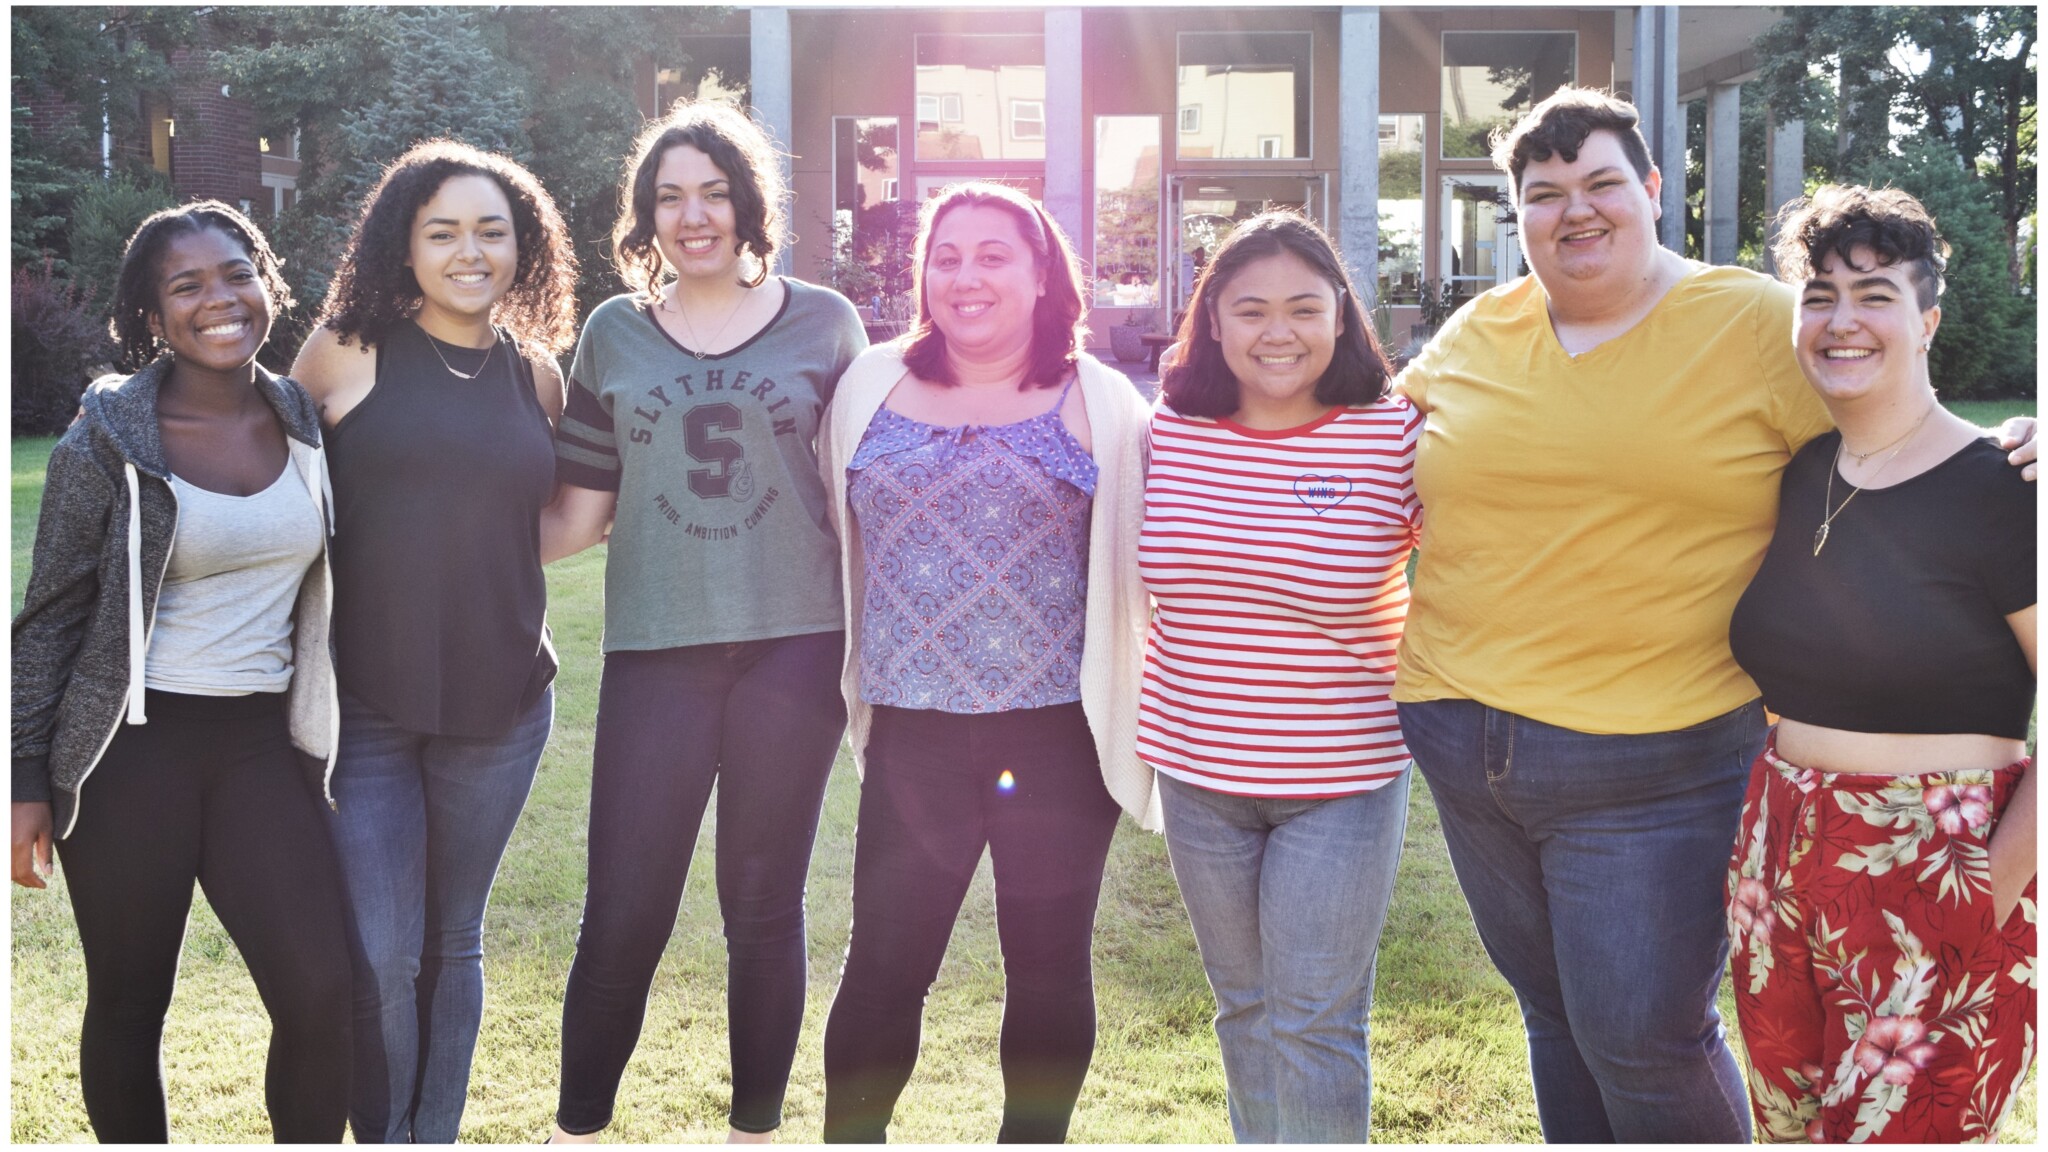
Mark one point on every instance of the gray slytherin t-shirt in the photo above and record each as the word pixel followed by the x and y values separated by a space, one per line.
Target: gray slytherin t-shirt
pixel 721 533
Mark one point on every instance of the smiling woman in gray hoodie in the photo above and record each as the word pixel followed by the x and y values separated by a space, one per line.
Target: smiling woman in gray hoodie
pixel 179 584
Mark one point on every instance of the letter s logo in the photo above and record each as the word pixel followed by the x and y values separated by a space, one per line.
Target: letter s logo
pixel 702 442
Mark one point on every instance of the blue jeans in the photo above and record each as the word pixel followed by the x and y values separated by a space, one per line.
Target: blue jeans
pixel 1287 898
pixel 760 721
pixel 420 823
pixel 1595 867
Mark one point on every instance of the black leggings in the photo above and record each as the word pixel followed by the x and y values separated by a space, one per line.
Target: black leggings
pixel 209 789
pixel 761 720
pixel 932 798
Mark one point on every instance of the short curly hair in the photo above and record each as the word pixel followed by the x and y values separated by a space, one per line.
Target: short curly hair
pixel 741 149
pixel 135 289
pixel 1057 320
pixel 374 288
pixel 1840 218
pixel 1559 127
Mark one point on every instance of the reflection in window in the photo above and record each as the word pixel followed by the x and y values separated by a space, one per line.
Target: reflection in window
pixel 1490 78
pixel 1243 87
pixel 1401 208
pixel 1027 119
pixel 1126 211
pixel 968 88
pixel 872 229
pixel 714 67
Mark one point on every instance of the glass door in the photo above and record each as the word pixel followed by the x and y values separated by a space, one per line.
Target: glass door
pixel 1205 208
pixel 1480 248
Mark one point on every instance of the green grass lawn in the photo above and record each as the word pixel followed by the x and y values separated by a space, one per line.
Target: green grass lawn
pixel 1449 1060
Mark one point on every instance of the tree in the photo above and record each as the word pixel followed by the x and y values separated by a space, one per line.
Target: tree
pixel 88 69
pixel 1960 77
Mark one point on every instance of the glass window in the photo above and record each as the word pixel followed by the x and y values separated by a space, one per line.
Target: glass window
pixel 1251 85
pixel 1027 119
pixel 1401 209
pixel 872 229
pixel 976 82
pixel 1126 211
pixel 1491 78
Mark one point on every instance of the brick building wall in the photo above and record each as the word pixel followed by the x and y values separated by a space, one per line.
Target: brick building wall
pixel 214 152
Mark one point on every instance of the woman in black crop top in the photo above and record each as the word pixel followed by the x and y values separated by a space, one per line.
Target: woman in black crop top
pixel 431 366
pixel 1882 891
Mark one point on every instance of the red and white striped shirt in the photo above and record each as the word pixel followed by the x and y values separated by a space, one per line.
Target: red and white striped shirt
pixel 1278 563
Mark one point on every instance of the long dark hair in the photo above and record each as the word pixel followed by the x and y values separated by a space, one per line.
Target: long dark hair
pixel 1056 321
pixel 1197 381
pixel 374 288
pixel 741 150
pixel 135 290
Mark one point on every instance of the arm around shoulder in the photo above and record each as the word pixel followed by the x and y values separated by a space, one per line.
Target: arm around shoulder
pixel 337 376
pixel 549 387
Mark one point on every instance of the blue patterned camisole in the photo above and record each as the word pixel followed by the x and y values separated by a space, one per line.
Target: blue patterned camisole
pixel 976 542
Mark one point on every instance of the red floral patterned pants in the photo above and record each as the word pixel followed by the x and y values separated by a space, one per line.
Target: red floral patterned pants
pixel 1878 1001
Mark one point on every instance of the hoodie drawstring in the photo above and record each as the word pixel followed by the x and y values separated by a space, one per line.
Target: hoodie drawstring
pixel 137 642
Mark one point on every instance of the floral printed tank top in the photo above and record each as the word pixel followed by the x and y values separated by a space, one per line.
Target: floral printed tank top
pixel 976 543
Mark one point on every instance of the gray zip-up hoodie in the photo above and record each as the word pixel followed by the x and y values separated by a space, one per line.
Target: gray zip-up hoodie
pixel 102 544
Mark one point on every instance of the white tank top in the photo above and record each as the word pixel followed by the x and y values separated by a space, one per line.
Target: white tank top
pixel 223 622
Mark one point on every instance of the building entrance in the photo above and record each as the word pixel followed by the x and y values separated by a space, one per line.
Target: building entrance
pixel 1207 206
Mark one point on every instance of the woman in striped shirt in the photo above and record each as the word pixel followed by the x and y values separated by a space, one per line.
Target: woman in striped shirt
pixel 1279 514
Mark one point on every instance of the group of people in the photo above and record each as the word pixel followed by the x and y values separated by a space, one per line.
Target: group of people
pixel 1030 602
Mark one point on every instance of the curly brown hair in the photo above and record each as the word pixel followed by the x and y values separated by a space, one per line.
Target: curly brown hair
pixel 1839 218
pixel 374 288
pixel 135 289
pixel 1056 323
pixel 742 151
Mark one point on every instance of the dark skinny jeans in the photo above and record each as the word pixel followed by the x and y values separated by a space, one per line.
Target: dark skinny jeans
pixel 761 720
pixel 931 800
pixel 208 790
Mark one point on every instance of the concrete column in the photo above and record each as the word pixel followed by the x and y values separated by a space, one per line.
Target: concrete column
pixel 1724 170
pixel 1066 131
pixel 770 84
pixel 1784 174
pixel 1655 86
pixel 1358 147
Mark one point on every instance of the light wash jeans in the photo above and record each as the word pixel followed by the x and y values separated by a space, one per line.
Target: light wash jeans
pixel 420 823
pixel 1287 898
pixel 1596 868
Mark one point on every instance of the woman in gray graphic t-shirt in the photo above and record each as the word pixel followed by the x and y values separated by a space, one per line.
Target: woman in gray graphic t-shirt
pixel 691 429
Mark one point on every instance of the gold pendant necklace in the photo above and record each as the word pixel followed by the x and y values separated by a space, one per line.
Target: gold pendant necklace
pixel 452 371
pixel 1820 535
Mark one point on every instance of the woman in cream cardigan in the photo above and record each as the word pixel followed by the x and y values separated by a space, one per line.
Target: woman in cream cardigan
pixel 986 481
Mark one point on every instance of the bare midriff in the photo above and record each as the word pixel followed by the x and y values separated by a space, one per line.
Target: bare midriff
pixel 1893 753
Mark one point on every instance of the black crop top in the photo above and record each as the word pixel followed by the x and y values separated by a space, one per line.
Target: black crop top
pixel 1899 624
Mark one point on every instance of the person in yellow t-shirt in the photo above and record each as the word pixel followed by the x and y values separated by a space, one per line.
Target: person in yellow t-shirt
pixel 1599 477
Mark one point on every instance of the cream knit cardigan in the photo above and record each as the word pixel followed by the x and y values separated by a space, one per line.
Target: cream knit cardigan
pixel 1113 638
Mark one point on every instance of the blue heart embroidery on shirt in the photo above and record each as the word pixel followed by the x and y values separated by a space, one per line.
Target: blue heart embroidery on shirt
pixel 1319 494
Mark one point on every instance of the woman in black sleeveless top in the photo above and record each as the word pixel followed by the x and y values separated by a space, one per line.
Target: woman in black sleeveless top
pixel 432 371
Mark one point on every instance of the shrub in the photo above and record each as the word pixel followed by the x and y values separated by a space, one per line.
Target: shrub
pixel 58 344
pixel 1986 343
pixel 104 215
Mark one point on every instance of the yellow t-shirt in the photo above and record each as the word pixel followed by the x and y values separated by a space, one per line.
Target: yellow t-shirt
pixel 1589 522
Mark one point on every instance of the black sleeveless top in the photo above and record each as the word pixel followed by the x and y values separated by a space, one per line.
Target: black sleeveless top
pixel 1899 624
pixel 440 607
